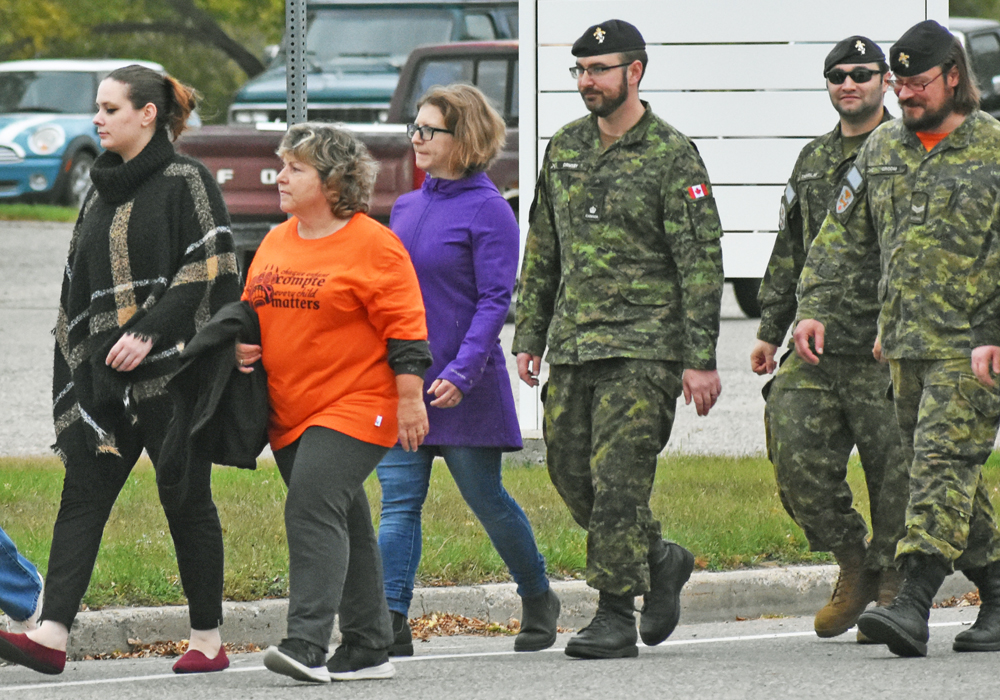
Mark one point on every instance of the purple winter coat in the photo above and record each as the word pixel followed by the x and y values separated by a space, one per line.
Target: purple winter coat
pixel 463 239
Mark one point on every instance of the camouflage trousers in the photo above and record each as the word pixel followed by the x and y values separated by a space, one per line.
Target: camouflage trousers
pixel 605 424
pixel 948 420
pixel 814 417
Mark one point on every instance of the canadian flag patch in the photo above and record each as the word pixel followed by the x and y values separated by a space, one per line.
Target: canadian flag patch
pixel 698 191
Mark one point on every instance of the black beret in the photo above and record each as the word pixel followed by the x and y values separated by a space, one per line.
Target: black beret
pixel 613 36
pixel 922 47
pixel 853 49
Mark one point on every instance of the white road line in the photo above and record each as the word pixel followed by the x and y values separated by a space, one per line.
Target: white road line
pixel 428 657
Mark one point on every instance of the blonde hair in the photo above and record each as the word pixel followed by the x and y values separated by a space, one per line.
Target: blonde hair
pixel 478 128
pixel 345 167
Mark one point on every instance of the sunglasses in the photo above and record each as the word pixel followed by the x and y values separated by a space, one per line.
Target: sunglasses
pixel 858 75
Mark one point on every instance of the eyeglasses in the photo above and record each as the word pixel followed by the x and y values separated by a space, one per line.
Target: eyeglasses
pixel 426 132
pixel 858 75
pixel 898 85
pixel 595 71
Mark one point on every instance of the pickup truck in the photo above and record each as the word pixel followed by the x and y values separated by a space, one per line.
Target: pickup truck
pixel 245 165
pixel 355 49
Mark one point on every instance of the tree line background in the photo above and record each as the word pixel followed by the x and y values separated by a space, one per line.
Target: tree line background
pixel 213 45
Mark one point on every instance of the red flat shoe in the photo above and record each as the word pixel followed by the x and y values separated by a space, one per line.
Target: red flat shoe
pixel 18 649
pixel 194 661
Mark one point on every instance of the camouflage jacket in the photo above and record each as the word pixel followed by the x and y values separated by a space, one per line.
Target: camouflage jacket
pixel 808 196
pixel 934 219
pixel 623 256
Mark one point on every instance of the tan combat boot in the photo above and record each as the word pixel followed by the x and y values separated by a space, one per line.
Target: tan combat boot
pixel 856 587
pixel 889 582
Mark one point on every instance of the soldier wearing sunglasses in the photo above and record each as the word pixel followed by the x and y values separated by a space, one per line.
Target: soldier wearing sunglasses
pixel 922 194
pixel 816 414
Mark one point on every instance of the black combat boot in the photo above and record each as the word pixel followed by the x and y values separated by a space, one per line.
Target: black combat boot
pixel 402 638
pixel 611 634
pixel 903 624
pixel 670 567
pixel 984 635
pixel 539 618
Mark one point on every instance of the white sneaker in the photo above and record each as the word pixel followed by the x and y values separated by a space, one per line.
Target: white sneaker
pixel 22 626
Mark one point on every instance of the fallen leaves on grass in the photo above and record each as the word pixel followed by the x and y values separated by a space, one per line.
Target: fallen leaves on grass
pixel 967 600
pixel 141 650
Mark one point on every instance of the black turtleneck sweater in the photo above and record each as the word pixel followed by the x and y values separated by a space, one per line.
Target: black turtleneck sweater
pixel 151 254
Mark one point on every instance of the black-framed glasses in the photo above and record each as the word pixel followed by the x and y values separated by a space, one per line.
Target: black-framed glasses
pixel 595 71
pixel 858 75
pixel 898 85
pixel 426 132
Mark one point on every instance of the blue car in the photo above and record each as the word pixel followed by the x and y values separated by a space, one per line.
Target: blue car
pixel 47 139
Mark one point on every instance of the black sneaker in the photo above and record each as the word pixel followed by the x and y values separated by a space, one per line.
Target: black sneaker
pixel 402 637
pixel 352 663
pixel 299 659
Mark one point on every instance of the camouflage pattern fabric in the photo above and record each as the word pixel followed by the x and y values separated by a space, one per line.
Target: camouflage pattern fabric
pixel 605 424
pixel 623 256
pixel 804 204
pixel 949 421
pixel 815 415
pixel 934 218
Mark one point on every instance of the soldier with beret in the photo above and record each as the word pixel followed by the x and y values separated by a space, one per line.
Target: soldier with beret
pixel 622 281
pixel 923 193
pixel 816 414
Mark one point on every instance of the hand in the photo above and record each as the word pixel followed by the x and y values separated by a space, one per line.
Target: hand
pixel 448 395
pixel 411 414
pixel 246 355
pixel 986 363
pixel 877 350
pixel 762 357
pixel 128 352
pixel 702 385
pixel 806 330
pixel 528 367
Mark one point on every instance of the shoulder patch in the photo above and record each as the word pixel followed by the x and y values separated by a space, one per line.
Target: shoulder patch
pixel 789 194
pixel 845 199
pixel 697 191
pixel 854 178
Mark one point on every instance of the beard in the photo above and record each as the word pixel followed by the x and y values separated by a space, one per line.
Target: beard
pixel 930 119
pixel 607 103
pixel 862 112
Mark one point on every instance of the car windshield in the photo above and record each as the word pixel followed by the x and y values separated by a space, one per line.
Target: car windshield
pixel 346 38
pixel 64 92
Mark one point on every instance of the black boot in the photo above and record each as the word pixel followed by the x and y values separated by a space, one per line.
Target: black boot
pixel 903 624
pixel 984 635
pixel 402 638
pixel 670 567
pixel 539 618
pixel 611 634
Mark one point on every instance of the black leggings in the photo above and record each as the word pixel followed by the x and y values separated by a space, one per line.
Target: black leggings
pixel 90 489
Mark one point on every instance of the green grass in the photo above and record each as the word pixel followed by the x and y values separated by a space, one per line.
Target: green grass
pixel 726 510
pixel 37 212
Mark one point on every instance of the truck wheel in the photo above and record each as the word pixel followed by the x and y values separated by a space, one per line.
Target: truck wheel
pixel 77 180
pixel 746 289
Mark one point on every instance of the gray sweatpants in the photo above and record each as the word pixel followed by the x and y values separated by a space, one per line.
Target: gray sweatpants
pixel 334 564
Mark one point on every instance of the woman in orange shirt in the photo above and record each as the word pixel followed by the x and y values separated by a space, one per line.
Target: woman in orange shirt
pixel 344 344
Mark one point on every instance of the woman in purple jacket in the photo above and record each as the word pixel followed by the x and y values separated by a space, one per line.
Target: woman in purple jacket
pixel 463 239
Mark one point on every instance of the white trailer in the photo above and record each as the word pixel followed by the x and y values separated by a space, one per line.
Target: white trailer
pixel 742 78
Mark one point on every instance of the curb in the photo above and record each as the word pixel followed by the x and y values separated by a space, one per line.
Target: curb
pixel 707 597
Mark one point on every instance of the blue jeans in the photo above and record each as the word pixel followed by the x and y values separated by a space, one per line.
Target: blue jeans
pixel 20 583
pixel 405 477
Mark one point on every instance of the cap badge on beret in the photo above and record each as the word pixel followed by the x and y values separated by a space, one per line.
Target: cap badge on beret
pixel 859 46
pixel 599 35
pixel 904 58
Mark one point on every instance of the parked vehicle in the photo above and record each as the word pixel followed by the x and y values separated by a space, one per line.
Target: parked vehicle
pixel 981 38
pixel 47 139
pixel 246 167
pixel 356 49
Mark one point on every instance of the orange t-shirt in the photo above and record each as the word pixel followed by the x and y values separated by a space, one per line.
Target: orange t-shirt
pixel 327 308
pixel 930 140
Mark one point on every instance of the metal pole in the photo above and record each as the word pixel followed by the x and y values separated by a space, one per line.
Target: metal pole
pixel 295 64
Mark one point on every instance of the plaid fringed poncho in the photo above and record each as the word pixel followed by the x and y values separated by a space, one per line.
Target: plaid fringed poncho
pixel 151 254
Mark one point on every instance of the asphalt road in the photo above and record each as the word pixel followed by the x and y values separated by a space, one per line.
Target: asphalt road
pixel 778 658
pixel 31 260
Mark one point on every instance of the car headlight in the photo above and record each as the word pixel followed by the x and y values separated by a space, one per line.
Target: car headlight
pixel 47 139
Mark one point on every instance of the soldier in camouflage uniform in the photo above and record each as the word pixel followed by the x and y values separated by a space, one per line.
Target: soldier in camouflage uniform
pixel 622 280
pixel 816 414
pixel 923 192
